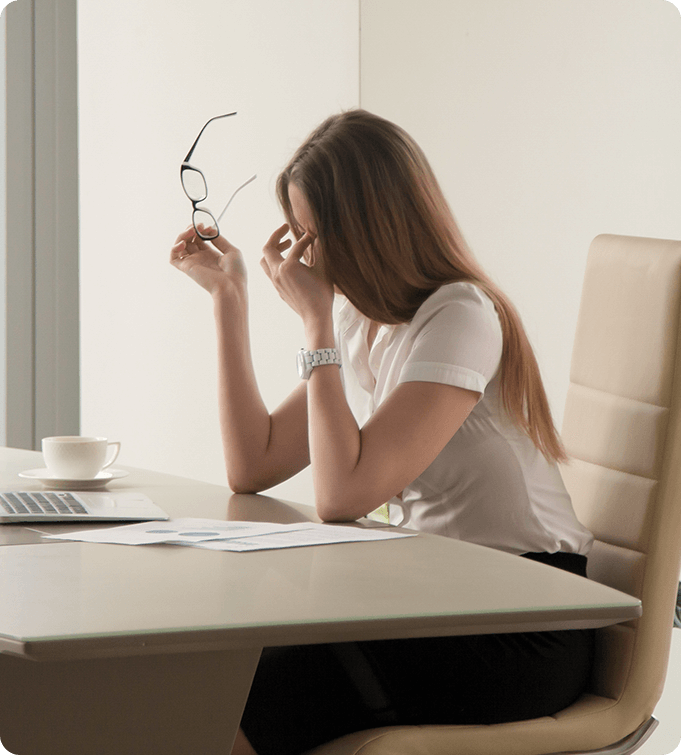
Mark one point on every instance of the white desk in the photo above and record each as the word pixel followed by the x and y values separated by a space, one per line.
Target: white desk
pixel 152 649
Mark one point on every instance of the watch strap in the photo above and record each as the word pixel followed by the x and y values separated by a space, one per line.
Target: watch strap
pixel 319 357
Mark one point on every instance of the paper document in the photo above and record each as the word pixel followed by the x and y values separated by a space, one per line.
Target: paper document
pixel 216 534
pixel 295 536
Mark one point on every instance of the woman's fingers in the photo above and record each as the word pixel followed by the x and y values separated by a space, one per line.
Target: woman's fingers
pixel 184 247
pixel 179 246
pixel 277 236
pixel 273 251
pixel 189 242
pixel 222 245
pixel 181 241
pixel 179 251
pixel 298 249
pixel 186 234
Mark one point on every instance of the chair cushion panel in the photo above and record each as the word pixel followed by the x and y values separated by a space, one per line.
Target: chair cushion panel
pixel 613 505
pixel 617 567
pixel 613 654
pixel 585 706
pixel 614 432
pixel 569 729
pixel 626 333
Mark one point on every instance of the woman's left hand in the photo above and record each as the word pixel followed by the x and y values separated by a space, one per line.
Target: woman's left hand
pixel 303 287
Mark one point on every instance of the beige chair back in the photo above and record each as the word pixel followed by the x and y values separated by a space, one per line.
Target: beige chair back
pixel 622 426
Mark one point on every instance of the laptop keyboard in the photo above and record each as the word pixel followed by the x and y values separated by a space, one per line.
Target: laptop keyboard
pixel 56 504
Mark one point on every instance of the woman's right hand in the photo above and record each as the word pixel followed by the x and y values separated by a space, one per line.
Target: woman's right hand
pixel 215 265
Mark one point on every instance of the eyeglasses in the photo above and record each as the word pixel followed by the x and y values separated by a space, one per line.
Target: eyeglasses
pixel 196 189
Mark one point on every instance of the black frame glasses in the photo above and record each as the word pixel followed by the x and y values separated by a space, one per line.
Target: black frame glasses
pixel 195 187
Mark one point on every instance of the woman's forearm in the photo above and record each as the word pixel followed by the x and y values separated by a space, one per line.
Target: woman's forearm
pixel 257 454
pixel 334 436
pixel 335 448
pixel 244 419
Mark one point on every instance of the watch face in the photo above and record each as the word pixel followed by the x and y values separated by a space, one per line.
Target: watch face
pixel 303 370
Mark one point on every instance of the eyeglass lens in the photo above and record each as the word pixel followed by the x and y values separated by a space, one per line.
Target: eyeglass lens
pixel 205 224
pixel 194 184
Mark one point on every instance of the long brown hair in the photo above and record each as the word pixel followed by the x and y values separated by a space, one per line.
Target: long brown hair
pixel 388 240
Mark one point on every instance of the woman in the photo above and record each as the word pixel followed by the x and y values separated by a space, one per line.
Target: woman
pixel 437 407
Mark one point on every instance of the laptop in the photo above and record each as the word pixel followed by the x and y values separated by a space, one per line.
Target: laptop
pixel 70 506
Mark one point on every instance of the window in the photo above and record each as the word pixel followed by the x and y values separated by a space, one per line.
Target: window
pixel 39 242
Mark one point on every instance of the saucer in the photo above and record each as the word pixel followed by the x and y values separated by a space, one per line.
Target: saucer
pixel 58 483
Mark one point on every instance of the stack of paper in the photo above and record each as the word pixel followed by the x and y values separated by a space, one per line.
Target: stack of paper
pixel 218 535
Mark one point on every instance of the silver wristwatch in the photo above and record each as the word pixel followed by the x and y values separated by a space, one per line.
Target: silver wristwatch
pixel 308 360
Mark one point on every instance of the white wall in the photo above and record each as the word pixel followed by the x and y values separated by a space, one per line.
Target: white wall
pixel 150 74
pixel 548 122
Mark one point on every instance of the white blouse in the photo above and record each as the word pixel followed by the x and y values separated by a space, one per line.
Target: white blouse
pixel 490 484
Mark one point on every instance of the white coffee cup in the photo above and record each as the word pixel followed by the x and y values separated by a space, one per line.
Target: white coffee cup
pixel 78 457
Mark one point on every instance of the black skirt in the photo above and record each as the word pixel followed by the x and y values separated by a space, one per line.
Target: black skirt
pixel 303 696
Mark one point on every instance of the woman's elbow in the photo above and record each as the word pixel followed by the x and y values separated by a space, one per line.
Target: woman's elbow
pixel 244 483
pixel 336 518
pixel 334 510
pixel 251 476
pixel 237 486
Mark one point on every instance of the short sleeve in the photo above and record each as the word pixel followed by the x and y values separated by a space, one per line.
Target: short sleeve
pixel 457 339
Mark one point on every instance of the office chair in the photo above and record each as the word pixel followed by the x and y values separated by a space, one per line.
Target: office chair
pixel 622 429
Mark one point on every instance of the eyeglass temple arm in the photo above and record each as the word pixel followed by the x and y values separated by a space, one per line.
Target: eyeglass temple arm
pixel 196 141
pixel 236 191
